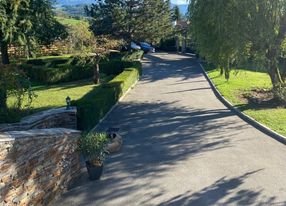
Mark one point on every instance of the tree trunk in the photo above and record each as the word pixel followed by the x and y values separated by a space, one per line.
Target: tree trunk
pixel 3 98
pixel 227 70
pixel 4 52
pixel 221 70
pixel 96 79
pixel 283 75
pixel 275 76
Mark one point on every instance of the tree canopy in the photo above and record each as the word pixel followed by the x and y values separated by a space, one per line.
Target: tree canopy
pixel 231 31
pixel 24 22
pixel 131 20
pixel 176 13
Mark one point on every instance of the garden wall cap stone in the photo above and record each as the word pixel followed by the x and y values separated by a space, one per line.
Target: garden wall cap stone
pixel 47 113
pixel 38 133
pixel 45 119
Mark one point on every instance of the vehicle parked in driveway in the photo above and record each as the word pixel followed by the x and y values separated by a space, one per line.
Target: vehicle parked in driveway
pixel 135 46
pixel 147 47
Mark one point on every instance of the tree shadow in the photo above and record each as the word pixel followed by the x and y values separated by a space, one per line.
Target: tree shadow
pixel 163 137
pixel 221 193
pixel 157 138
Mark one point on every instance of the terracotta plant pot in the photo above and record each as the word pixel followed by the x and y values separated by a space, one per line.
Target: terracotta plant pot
pixel 115 144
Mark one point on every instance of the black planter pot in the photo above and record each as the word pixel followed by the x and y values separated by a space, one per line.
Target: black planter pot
pixel 94 171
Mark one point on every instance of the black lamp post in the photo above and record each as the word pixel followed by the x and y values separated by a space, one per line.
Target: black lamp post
pixel 68 101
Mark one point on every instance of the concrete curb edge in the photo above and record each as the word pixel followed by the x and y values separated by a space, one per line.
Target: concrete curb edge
pixel 242 115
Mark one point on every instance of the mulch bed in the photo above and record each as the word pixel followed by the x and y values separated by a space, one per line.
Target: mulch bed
pixel 261 98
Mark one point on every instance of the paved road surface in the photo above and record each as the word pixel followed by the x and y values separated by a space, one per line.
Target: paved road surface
pixel 182 146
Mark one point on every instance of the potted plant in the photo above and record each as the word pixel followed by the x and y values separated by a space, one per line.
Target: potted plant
pixel 93 148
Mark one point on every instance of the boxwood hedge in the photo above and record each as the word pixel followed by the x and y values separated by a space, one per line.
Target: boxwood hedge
pixel 67 69
pixel 94 105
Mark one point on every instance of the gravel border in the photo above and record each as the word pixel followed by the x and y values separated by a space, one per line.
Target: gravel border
pixel 242 115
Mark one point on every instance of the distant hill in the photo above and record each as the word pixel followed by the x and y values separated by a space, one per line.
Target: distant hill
pixel 183 7
pixel 74 2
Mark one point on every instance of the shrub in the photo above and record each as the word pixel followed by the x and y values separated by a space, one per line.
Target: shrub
pixel 280 94
pixel 94 105
pixel 36 62
pixel 168 45
pixel 14 83
pixel 10 115
pixel 114 67
pixel 93 146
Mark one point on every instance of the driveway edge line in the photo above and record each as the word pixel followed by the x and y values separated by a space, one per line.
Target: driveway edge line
pixel 115 105
pixel 242 115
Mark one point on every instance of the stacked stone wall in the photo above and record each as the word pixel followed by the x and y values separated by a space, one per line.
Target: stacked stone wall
pixel 37 165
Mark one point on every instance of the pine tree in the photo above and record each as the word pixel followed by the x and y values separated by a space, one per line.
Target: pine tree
pixel 9 17
pixel 176 13
pixel 25 21
pixel 21 23
pixel 131 20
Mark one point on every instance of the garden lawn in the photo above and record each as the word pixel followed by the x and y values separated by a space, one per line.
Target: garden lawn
pixel 54 95
pixel 243 81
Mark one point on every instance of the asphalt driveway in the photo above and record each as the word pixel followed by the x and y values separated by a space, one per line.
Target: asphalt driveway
pixel 182 146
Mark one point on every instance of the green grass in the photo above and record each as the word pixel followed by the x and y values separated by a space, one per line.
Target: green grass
pixel 70 21
pixel 55 95
pixel 242 81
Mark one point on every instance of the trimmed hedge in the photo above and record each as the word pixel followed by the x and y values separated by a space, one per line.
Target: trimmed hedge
pixel 94 105
pixel 59 74
pixel 67 72
pixel 67 69
pixel 133 56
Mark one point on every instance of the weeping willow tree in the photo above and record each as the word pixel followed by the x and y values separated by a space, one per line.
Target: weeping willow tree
pixel 235 31
pixel 214 27
pixel 266 32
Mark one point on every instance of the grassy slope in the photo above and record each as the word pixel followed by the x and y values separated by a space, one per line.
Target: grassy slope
pixel 242 81
pixel 70 21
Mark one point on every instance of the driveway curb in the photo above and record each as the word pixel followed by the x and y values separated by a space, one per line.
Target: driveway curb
pixel 242 115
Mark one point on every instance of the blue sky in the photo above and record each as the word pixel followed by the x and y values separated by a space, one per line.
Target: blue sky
pixel 179 2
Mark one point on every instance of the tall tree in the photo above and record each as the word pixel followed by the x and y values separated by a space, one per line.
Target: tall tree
pixel 26 21
pixel 137 20
pixel 21 23
pixel 232 30
pixel 176 13
pixel 9 15
pixel 266 31
pixel 45 28
pixel 214 29
pixel 9 30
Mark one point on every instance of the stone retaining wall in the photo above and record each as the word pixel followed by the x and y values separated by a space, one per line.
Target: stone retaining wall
pixel 52 118
pixel 37 165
